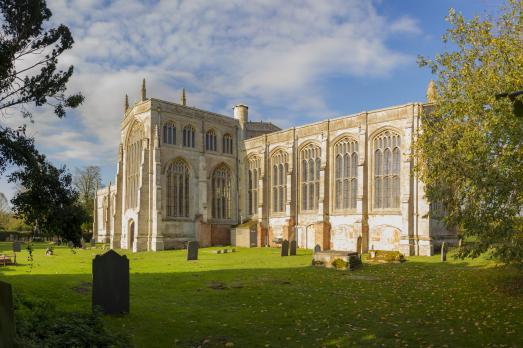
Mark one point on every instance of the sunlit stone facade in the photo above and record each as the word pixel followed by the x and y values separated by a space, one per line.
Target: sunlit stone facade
pixel 345 183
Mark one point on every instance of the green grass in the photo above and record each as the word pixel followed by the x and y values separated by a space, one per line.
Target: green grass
pixel 255 298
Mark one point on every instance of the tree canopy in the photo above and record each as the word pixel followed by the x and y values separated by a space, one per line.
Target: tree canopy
pixel 29 78
pixel 469 151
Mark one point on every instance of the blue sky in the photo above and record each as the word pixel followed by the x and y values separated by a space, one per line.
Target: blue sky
pixel 293 62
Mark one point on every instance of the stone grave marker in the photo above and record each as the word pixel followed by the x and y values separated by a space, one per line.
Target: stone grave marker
pixel 7 315
pixel 293 248
pixel 17 247
pixel 82 243
pixel 443 252
pixel 111 283
pixel 93 242
pixel 70 244
pixel 285 248
pixel 317 248
pixel 192 250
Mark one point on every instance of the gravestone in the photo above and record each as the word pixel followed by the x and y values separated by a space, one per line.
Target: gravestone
pixel 17 247
pixel 93 243
pixel 82 243
pixel 317 248
pixel 70 244
pixel 7 315
pixel 443 252
pixel 192 250
pixel 225 251
pixel 460 242
pixel 285 248
pixel 293 248
pixel 111 283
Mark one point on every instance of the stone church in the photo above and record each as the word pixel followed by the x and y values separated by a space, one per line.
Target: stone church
pixel 345 183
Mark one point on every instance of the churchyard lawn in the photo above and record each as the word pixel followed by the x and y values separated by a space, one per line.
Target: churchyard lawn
pixel 256 298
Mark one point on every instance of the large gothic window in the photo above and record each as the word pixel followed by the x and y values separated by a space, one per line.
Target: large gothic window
pixel 210 140
pixel 279 180
pixel 169 133
pixel 253 176
pixel 346 174
pixel 188 136
pixel 177 174
pixel 227 143
pixel 221 193
pixel 387 160
pixel 133 163
pixel 310 177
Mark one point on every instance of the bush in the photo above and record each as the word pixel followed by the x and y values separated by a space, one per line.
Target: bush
pixel 4 234
pixel 339 264
pixel 40 324
pixel 389 256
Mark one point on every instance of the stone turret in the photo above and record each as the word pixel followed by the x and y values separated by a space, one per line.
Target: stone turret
pixel 241 113
pixel 183 99
pixel 144 94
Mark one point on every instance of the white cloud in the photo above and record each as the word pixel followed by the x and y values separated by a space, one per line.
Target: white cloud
pixel 264 53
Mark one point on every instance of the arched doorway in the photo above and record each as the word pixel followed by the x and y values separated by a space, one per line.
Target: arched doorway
pixel 130 240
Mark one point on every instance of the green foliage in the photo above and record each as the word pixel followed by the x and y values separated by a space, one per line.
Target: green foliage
pixel 25 39
pixel 40 324
pixel 49 200
pixel 388 256
pixel 340 264
pixel 470 151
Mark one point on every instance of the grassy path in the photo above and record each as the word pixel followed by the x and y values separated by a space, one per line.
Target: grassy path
pixel 255 298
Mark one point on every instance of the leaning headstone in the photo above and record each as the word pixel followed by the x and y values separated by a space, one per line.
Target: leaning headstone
pixel 17 247
pixel 285 248
pixel 111 283
pixel 293 248
pixel 7 316
pixel 192 250
pixel 70 244
pixel 443 252
pixel 317 248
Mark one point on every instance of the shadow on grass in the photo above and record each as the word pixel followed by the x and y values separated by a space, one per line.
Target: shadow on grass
pixel 415 303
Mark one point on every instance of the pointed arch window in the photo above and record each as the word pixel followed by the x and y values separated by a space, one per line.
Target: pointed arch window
pixel 210 140
pixel 221 193
pixel 387 163
pixel 279 163
pixel 345 174
pixel 169 133
pixel 188 136
pixel 177 174
pixel 227 144
pixel 133 164
pixel 253 176
pixel 310 177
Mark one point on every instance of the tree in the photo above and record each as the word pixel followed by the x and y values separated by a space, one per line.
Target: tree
pixel 469 151
pixel 49 200
pixel 29 75
pixel 86 181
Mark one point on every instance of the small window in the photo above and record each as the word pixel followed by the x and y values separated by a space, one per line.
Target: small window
pixel 227 143
pixel 188 136
pixel 210 140
pixel 169 134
